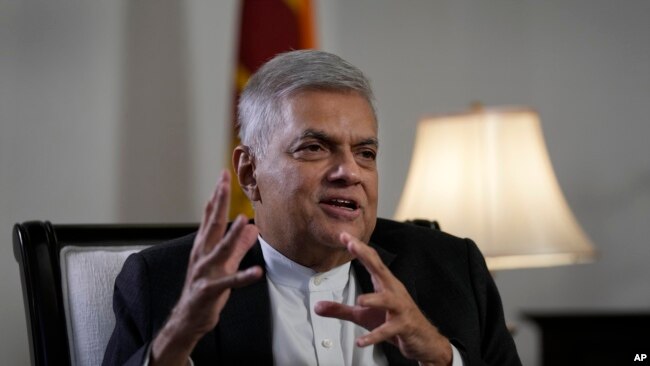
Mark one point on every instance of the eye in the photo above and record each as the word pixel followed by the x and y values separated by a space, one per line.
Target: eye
pixel 368 154
pixel 313 148
pixel 310 151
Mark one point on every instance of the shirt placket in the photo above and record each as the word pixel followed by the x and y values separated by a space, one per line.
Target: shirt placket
pixel 327 331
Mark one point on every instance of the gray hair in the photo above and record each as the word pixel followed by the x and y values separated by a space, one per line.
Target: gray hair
pixel 260 108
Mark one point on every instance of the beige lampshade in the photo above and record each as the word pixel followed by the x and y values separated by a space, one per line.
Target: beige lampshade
pixel 486 175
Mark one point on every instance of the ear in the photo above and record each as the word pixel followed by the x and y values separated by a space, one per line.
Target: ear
pixel 244 164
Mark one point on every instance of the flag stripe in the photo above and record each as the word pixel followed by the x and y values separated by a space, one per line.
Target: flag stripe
pixel 267 27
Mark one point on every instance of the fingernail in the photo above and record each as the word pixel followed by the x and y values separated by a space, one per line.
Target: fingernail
pixel 224 174
pixel 241 218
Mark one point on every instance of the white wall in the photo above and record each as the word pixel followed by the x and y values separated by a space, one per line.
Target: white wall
pixel 115 111
pixel 111 111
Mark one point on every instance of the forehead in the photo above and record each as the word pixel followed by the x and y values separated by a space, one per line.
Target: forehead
pixel 336 113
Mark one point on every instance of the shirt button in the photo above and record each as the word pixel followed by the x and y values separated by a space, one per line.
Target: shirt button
pixel 318 281
pixel 326 343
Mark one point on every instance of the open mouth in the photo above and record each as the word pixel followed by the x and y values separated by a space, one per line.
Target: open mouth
pixel 342 203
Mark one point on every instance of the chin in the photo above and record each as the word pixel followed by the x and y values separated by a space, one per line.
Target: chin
pixel 357 232
pixel 329 228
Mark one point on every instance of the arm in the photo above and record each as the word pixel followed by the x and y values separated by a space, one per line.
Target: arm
pixel 212 272
pixel 128 345
pixel 497 346
pixel 389 313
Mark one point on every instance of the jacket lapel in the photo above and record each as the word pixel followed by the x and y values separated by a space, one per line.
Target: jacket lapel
pixel 243 335
pixel 392 353
pixel 362 273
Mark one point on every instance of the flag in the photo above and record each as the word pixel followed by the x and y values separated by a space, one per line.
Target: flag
pixel 267 27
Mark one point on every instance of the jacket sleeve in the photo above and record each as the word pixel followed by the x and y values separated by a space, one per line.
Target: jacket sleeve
pixel 131 304
pixel 497 346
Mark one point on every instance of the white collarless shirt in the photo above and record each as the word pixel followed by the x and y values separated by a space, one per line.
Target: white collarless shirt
pixel 300 336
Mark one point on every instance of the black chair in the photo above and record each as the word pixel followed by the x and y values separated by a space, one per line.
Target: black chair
pixel 37 247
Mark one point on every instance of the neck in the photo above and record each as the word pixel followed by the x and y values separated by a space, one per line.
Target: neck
pixel 318 258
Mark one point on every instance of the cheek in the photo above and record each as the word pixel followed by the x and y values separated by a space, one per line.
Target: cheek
pixel 291 184
pixel 302 187
pixel 373 188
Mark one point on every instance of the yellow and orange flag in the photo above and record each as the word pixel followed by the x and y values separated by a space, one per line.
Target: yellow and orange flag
pixel 267 27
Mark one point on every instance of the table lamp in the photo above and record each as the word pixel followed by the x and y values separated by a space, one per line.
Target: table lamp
pixel 486 175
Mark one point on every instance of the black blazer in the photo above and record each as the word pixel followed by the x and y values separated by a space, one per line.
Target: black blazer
pixel 446 276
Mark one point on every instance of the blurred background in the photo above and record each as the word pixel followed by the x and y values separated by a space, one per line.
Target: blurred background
pixel 119 111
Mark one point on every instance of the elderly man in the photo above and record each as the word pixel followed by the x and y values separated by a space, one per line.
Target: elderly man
pixel 318 279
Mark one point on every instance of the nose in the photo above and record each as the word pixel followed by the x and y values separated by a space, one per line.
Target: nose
pixel 345 170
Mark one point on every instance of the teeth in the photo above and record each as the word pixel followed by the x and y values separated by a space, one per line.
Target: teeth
pixel 344 203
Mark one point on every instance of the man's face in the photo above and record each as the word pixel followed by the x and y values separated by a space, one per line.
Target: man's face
pixel 319 176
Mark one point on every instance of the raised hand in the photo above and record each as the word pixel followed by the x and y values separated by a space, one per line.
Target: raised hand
pixel 212 271
pixel 389 313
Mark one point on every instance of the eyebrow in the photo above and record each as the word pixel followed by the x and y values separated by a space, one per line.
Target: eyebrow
pixel 324 137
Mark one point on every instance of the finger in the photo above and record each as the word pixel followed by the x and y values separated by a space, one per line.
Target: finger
pixel 384 333
pixel 236 234
pixel 229 253
pixel 382 300
pixel 369 258
pixel 201 240
pixel 246 240
pixel 337 310
pixel 217 221
pixel 235 252
pixel 211 202
pixel 235 280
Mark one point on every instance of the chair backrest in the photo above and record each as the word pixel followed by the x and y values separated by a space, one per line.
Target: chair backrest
pixel 67 274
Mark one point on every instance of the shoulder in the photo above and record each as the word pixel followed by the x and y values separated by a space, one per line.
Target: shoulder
pixel 398 237
pixel 428 251
pixel 164 263
pixel 169 252
pixel 151 280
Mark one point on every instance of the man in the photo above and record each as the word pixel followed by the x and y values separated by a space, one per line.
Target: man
pixel 317 279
